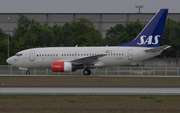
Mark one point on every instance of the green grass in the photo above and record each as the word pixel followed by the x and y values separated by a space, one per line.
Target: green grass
pixel 88 81
pixel 89 104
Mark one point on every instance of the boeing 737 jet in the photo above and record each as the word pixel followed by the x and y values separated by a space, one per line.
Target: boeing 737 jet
pixel 66 59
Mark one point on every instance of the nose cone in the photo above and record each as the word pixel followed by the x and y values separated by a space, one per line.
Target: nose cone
pixel 9 60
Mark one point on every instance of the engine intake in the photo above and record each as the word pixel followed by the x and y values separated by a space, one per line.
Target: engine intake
pixel 61 66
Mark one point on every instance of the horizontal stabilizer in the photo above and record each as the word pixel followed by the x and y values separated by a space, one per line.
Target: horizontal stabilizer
pixel 161 48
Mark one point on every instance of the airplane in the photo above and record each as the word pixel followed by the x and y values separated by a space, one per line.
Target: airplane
pixel 68 59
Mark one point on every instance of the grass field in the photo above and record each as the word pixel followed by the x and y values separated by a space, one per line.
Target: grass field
pixel 89 81
pixel 88 104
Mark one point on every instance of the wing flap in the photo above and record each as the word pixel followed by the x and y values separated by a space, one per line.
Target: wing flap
pixel 87 59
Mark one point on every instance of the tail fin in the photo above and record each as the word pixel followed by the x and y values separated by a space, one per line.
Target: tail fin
pixel 151 35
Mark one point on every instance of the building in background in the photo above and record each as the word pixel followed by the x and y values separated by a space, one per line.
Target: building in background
pixel 102 21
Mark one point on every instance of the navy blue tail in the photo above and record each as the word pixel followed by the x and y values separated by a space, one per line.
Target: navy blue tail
pixel 151 35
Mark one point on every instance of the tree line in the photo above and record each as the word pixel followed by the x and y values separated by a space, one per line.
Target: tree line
pixel 81 32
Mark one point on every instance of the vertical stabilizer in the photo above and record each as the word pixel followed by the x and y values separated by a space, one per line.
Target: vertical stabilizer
pixel 151 35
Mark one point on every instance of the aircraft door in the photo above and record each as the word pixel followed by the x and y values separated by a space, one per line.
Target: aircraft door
pixel 31 55
pixel 130 54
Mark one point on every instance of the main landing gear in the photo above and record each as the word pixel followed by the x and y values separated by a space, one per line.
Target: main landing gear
pixel 27 72
pixel 87 72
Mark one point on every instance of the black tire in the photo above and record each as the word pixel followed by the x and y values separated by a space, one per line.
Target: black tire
pixel 27 73
pixel 86 72
pixel 89 71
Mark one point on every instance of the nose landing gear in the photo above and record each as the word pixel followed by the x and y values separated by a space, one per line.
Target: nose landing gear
pixel 27 72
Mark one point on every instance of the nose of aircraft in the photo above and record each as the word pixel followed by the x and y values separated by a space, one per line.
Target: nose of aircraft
pixel 9 60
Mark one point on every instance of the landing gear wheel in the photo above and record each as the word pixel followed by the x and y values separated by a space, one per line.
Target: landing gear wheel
pixel 86 72
pixel 89 71
pixel 27 72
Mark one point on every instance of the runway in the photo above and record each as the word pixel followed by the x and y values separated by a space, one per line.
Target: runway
pixel 91 90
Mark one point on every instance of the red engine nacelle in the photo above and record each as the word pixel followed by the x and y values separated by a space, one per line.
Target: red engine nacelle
pixel 61 66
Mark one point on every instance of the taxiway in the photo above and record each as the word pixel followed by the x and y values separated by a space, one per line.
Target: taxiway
pixel 80 90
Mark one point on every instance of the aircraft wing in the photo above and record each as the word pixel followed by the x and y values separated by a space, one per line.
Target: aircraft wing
pixel 160 48
pixel 87 59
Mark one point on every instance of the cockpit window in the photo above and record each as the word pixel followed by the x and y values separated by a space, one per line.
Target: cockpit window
pixel 18 55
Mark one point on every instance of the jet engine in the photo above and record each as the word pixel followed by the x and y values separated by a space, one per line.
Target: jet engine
pixel 61 66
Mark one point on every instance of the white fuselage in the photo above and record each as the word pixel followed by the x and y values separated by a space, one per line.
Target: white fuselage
pixel 114 56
